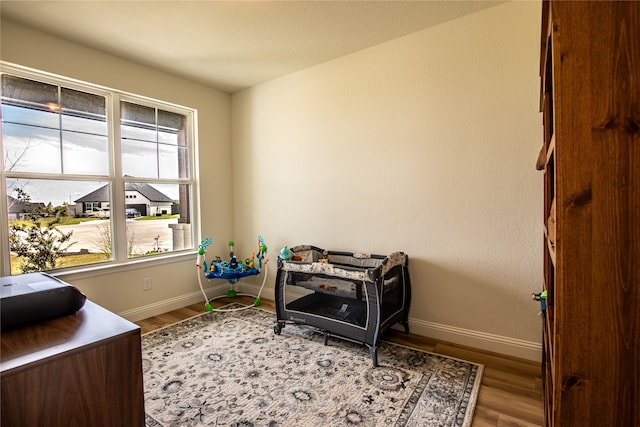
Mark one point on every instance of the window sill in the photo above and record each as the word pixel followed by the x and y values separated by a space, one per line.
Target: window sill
pixel 114 267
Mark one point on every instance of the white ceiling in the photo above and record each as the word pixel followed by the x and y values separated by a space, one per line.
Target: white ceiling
pixel 233 45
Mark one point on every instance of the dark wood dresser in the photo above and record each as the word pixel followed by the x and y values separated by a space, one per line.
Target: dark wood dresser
pixel 83 369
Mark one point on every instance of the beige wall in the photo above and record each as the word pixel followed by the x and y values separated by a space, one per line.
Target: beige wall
pixel 175 282
pixel 425 144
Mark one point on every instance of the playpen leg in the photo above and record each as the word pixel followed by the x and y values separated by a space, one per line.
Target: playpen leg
pixel 277 328
pixel 374 355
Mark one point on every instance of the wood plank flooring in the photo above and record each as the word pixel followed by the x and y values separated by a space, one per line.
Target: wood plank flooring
pixel 510 393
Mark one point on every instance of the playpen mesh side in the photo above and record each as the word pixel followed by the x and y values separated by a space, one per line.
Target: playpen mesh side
pixel 354 261
pixel 319 261
pixel 309 253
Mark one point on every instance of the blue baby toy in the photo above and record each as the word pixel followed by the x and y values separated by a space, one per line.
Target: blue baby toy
pixel 232 270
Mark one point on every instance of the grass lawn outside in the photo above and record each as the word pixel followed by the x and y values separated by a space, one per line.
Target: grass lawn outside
pixel 76 259
pixel 63 262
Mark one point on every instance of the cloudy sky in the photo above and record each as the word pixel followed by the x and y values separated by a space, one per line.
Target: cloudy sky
pixel 48 142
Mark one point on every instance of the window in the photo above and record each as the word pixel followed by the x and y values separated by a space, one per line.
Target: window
pixel 92 175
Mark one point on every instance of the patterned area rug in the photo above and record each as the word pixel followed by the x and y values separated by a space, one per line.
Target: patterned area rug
pixel 230 369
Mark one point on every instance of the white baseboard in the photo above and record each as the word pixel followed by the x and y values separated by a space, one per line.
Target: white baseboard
pixel 160 307
pixel 167 305
pixel 481 340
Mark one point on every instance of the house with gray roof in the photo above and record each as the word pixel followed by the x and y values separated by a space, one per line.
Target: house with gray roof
pixel 18 209
pixel 141 199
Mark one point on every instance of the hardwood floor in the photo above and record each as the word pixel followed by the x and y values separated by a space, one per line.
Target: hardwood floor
pixel 510 393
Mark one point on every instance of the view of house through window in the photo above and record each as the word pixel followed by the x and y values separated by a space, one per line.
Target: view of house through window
pixel 60 182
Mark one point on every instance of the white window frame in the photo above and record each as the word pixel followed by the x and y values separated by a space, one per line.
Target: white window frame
pixel 115 177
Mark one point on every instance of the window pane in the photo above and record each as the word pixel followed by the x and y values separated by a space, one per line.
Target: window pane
pixel 155 222
pixel 139 159
pixel 168 161
pixel 140 126
pixel 174 161
pixel 29 149
pixel 84 124
pixel 73 216
pixel 85 154
pixel 170 120
pixel 169 124
pixel 29 93
pixel 83 104
pixel 138 122
pixel 133 133
pixel 37 117
pixel 29 116
pixel 167 137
